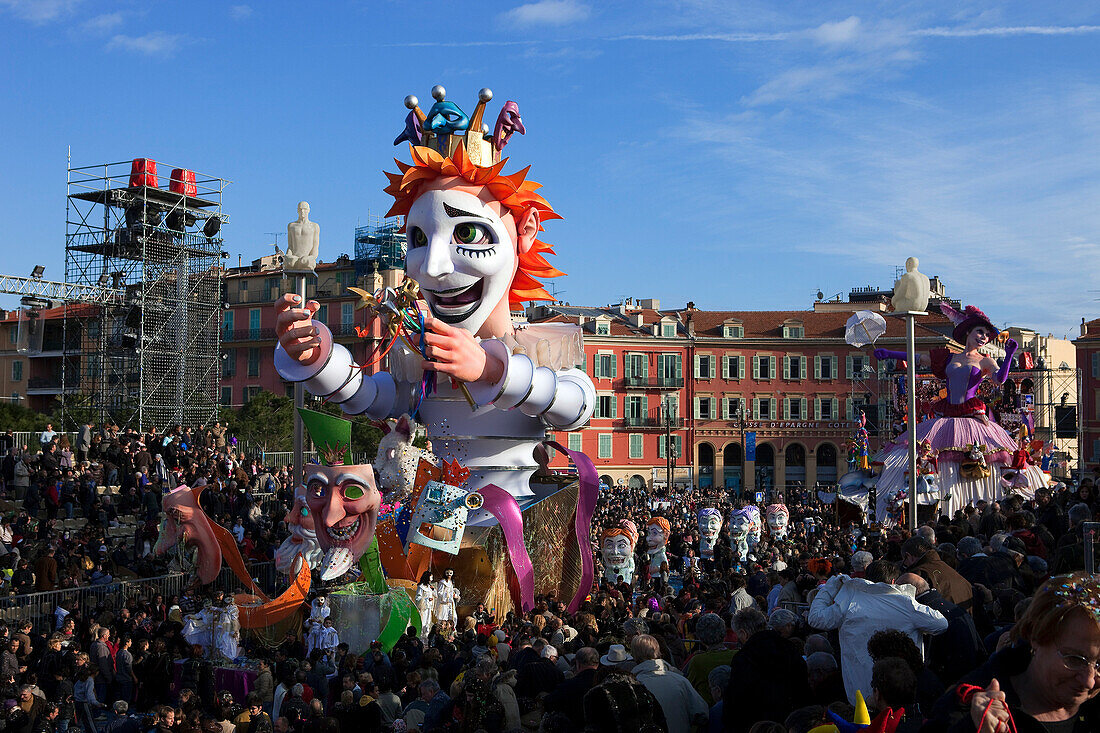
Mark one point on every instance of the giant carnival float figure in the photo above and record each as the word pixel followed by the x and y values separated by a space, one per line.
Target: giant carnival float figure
pixel 617 552
pixel 657 533
pixel 961 435
pixel 486 389
pixel 778 517
pixel 710 531
pixel 740 528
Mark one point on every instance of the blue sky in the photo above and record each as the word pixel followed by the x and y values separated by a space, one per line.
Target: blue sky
pixel 743 155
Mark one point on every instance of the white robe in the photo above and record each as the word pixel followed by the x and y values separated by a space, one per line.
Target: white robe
pixel 313 637
pixel 198 628
pixel 445 597
pixel 227 632
pixel 425 596
pixel 329 639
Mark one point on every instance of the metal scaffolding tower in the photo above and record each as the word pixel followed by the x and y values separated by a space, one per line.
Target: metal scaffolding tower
pixel 379 246
pixel 150 358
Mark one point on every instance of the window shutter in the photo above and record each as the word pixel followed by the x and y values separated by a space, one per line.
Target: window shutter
pixel 725 408
pixel 836 407
pixel 614 406
pixel 772 370
pixel 698 407
pixel 679 366
pixel 1096 364
pixel 697 375
pixel 628 365
pixel 614 366
pixel 725 367
pixel 848 409
pixel 848 371
pixel 644 358
pixel 802 368
pixel 817 408
pixel 817 367
pixel 756 367
pixel 755 408
pixel 786 408
pixel 786 367
pixel 740 367
pixel 802 412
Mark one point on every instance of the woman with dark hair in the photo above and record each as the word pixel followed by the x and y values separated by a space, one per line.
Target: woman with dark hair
pixel 1047 680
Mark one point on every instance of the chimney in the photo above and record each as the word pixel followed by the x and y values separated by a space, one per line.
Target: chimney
pixel 1084 328
pixel 639 321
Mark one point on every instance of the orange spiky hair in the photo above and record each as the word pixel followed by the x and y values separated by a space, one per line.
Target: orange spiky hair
pixel 514 192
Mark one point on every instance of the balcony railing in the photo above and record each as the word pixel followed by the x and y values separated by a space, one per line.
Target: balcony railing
pixel 248 334
pixel 646 422
pixel 635 382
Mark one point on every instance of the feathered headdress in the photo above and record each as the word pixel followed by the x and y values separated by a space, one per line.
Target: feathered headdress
pixel 970 317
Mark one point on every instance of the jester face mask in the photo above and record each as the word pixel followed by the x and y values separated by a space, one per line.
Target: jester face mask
pixel 344 502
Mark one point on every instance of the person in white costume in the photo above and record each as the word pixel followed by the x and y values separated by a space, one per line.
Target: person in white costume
pixel 425 601
pixel 198 627
pixel 445 597
pixel 329 638
pixel 227 630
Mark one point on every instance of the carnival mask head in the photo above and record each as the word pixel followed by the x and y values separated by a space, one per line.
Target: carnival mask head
pixel 710 525
pixel 657 532
pixel 343 499
pixel 740 524
pixel 303 536
pixel 472 237
pixel 185 522
pixel 778 516
pixel 617 543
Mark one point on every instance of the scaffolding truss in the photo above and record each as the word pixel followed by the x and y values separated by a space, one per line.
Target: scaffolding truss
pixel 379 245
pixel 150 358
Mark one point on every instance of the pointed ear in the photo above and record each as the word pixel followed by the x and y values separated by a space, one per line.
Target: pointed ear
pixel 402 427
pixel 527 228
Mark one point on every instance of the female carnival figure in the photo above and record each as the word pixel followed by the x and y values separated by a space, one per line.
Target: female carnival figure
pixel 962 425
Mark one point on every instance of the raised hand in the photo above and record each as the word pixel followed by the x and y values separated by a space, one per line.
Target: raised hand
pixel 989 710
pixel 294 326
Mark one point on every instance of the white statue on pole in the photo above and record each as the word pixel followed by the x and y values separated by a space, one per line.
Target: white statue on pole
pixel 911 291
pixel 303 240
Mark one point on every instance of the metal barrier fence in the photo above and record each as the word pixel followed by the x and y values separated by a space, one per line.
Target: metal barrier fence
pixel 39 608
pixel 31 440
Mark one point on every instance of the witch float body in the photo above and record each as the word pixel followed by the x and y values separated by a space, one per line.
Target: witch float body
pixel 961 444
pixel 486 390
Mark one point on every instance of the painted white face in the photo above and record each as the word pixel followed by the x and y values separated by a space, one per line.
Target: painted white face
pixel 616 550
pixel 462 254
pixel 710 525
pixel 739 525
pixel 655 537
pixel 777 521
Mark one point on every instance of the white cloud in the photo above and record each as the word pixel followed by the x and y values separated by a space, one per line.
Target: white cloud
pixel 240 12
pixel 103 23
pixel 547 12
pixel 835 34
pixel 157 43
pixel 1021 30
pixel 39 11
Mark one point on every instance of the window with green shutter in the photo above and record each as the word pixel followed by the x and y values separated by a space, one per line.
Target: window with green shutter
pixel 603 449
pixel 576 441
pixel 637 447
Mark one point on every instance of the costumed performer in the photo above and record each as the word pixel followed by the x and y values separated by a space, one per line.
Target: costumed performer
pixel 425 602
pixel 962 425
pixel 778 517
pixel 710 528
pixel 617 552
pixel 446 596
pixel 329 638
pixel 227 629
pixel 740 528
pixel 474 251
pixel 658 530
pixel 198 627
pixel 1023 474
pixel 303 537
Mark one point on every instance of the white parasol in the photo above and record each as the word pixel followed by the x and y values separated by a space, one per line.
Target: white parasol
pixel 863 328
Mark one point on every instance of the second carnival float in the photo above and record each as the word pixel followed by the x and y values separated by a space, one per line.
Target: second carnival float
pixel 419 537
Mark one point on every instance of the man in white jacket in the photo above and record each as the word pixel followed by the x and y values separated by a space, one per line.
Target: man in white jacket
pixel 860 607
pixel 684 708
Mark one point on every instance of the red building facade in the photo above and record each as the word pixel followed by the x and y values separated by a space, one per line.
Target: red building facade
pixel 712 383
pixel 1088 360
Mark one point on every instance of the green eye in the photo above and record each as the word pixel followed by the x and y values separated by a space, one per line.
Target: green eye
pixel 305 511
pixel 466 233
pixel 354 492
pixel 419 238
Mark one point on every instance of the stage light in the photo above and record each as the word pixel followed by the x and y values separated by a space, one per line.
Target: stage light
pixel 38 272
pixel 175 221
pixel 212 226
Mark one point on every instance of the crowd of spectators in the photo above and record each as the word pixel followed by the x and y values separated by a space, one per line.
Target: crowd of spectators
pixel 969 624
